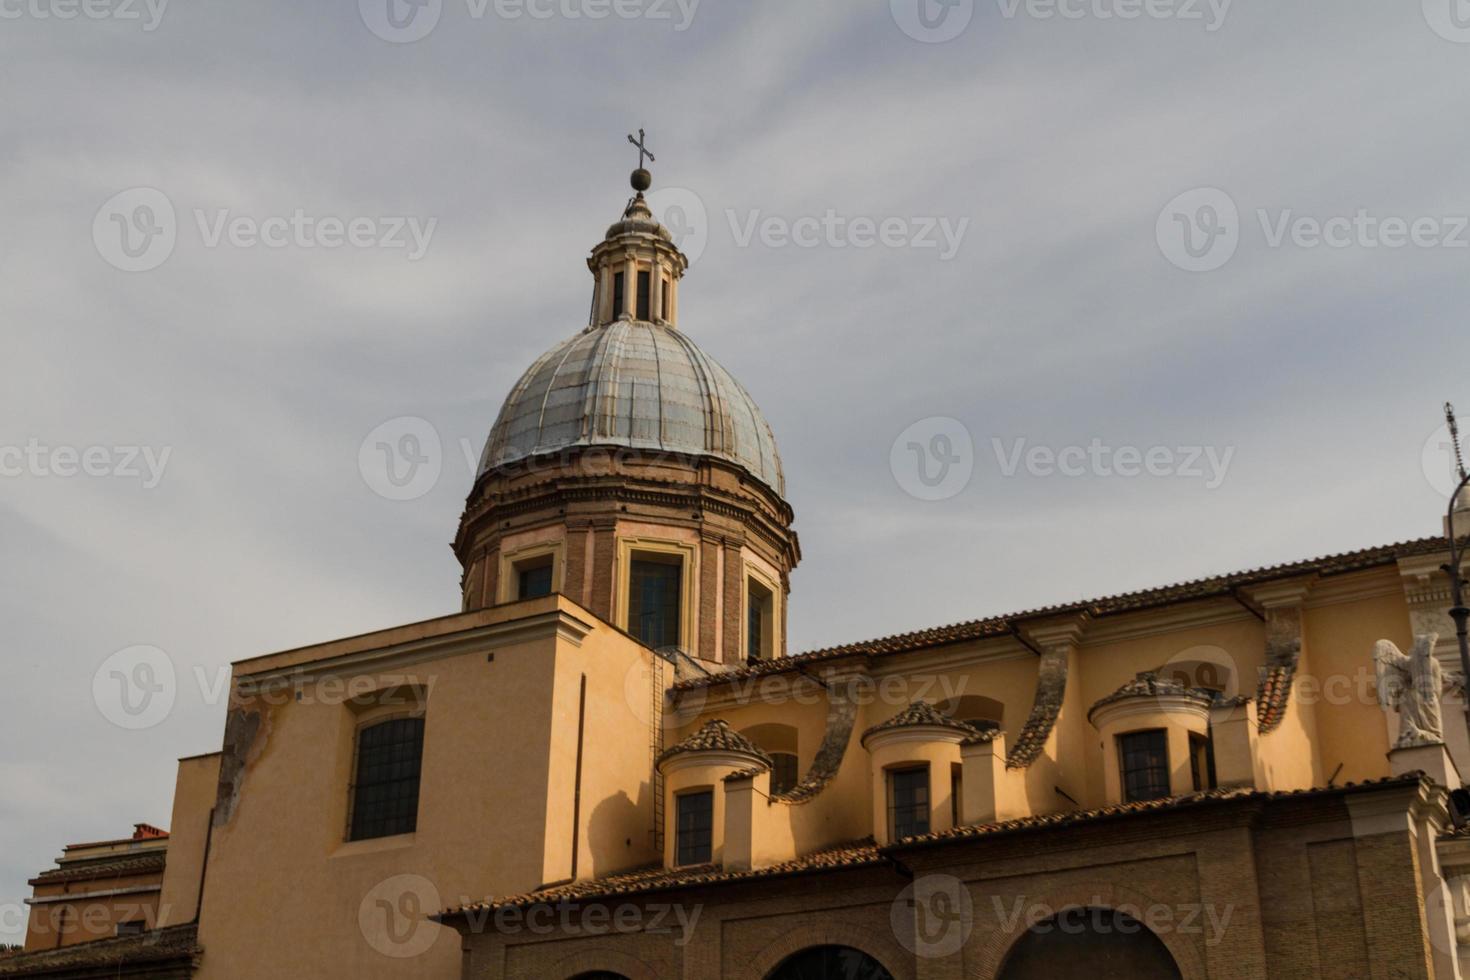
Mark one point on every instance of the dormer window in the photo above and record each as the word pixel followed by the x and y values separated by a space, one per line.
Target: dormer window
pixel 1144 761
pixel 695 827
pixel 908 802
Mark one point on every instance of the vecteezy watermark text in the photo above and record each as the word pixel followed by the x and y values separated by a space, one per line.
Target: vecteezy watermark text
pixel 1211 13
pixel 1201 230
pixel 136 230
pixel 1207 463
pixel 150 12
pixel 407 21
pixel 937 21
pixel 36 459
pixel 832 230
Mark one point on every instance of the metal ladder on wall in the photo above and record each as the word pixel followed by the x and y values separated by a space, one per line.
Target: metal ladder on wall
pixel 656 747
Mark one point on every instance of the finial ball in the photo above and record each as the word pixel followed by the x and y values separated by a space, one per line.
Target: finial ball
pixel 642 180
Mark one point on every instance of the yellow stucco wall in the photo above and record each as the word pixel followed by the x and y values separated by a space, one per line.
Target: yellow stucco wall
pixel 495 804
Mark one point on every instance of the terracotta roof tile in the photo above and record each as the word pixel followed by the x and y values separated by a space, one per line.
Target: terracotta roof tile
pixel 1069 817
pixel 1217 586
pixel 139 864
pixel 1149 685
pixel 179 943
pixel 865 852
pixel 921 714
pixel 716 736
pixel 653 879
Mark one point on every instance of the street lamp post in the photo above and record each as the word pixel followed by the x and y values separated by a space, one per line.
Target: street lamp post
pixel 1459 612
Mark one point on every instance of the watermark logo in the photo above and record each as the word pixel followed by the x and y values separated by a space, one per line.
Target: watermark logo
pixel 683 213
pixel 149 12
pixel 135 688
pixel 933 459
pixel 401 21
pixel 1199 230
pixel 1450 19
pixel 401 459
pixel 1206 667
pixel 393 916
pixel 136 229
pixel 932 21
pixel 933 917
pixel 1438 461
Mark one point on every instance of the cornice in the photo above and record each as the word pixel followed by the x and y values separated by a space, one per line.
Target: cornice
pixel 1163 620
pixel 557 624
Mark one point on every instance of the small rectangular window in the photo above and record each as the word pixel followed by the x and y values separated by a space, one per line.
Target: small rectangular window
pixel 1144 758
pixel 385 794
pixel 655 583
pixel 694 828
pixel 645 296
pixel 1202 762
pixel 134 927
pixel 668 313
pixel 908 802
pixel 533 579
pixel 618 294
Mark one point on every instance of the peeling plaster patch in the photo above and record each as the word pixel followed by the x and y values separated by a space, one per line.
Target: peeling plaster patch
pixel 242 729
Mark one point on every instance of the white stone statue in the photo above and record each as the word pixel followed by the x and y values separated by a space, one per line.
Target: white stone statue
pixel 1412 684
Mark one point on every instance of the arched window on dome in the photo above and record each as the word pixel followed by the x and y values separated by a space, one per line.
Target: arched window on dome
pixel 830 963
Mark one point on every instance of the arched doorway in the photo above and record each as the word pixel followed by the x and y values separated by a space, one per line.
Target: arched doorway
pixel 830 963
pixel 599 975
pixel 1087 943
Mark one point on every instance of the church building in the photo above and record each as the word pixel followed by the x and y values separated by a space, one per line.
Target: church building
pixel 609 766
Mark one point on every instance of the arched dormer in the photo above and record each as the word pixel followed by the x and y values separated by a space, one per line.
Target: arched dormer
pixel 1156 739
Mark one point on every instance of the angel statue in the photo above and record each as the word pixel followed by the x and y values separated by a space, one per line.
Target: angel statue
pixel 1411 684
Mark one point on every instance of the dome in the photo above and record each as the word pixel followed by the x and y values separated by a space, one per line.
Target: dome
pixel 635 384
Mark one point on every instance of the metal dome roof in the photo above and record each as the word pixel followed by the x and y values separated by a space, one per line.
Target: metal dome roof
pixel 635 384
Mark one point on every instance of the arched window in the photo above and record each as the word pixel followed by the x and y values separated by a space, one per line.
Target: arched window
pixel 599 975
pixel 1087 943
pixel 974 709
pixel 385 792
pixel 830 963
pixel 779 742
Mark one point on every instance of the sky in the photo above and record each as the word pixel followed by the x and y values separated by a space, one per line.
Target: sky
pixel 1043 299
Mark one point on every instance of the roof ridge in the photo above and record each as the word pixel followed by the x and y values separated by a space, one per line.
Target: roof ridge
pixel 1205 587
